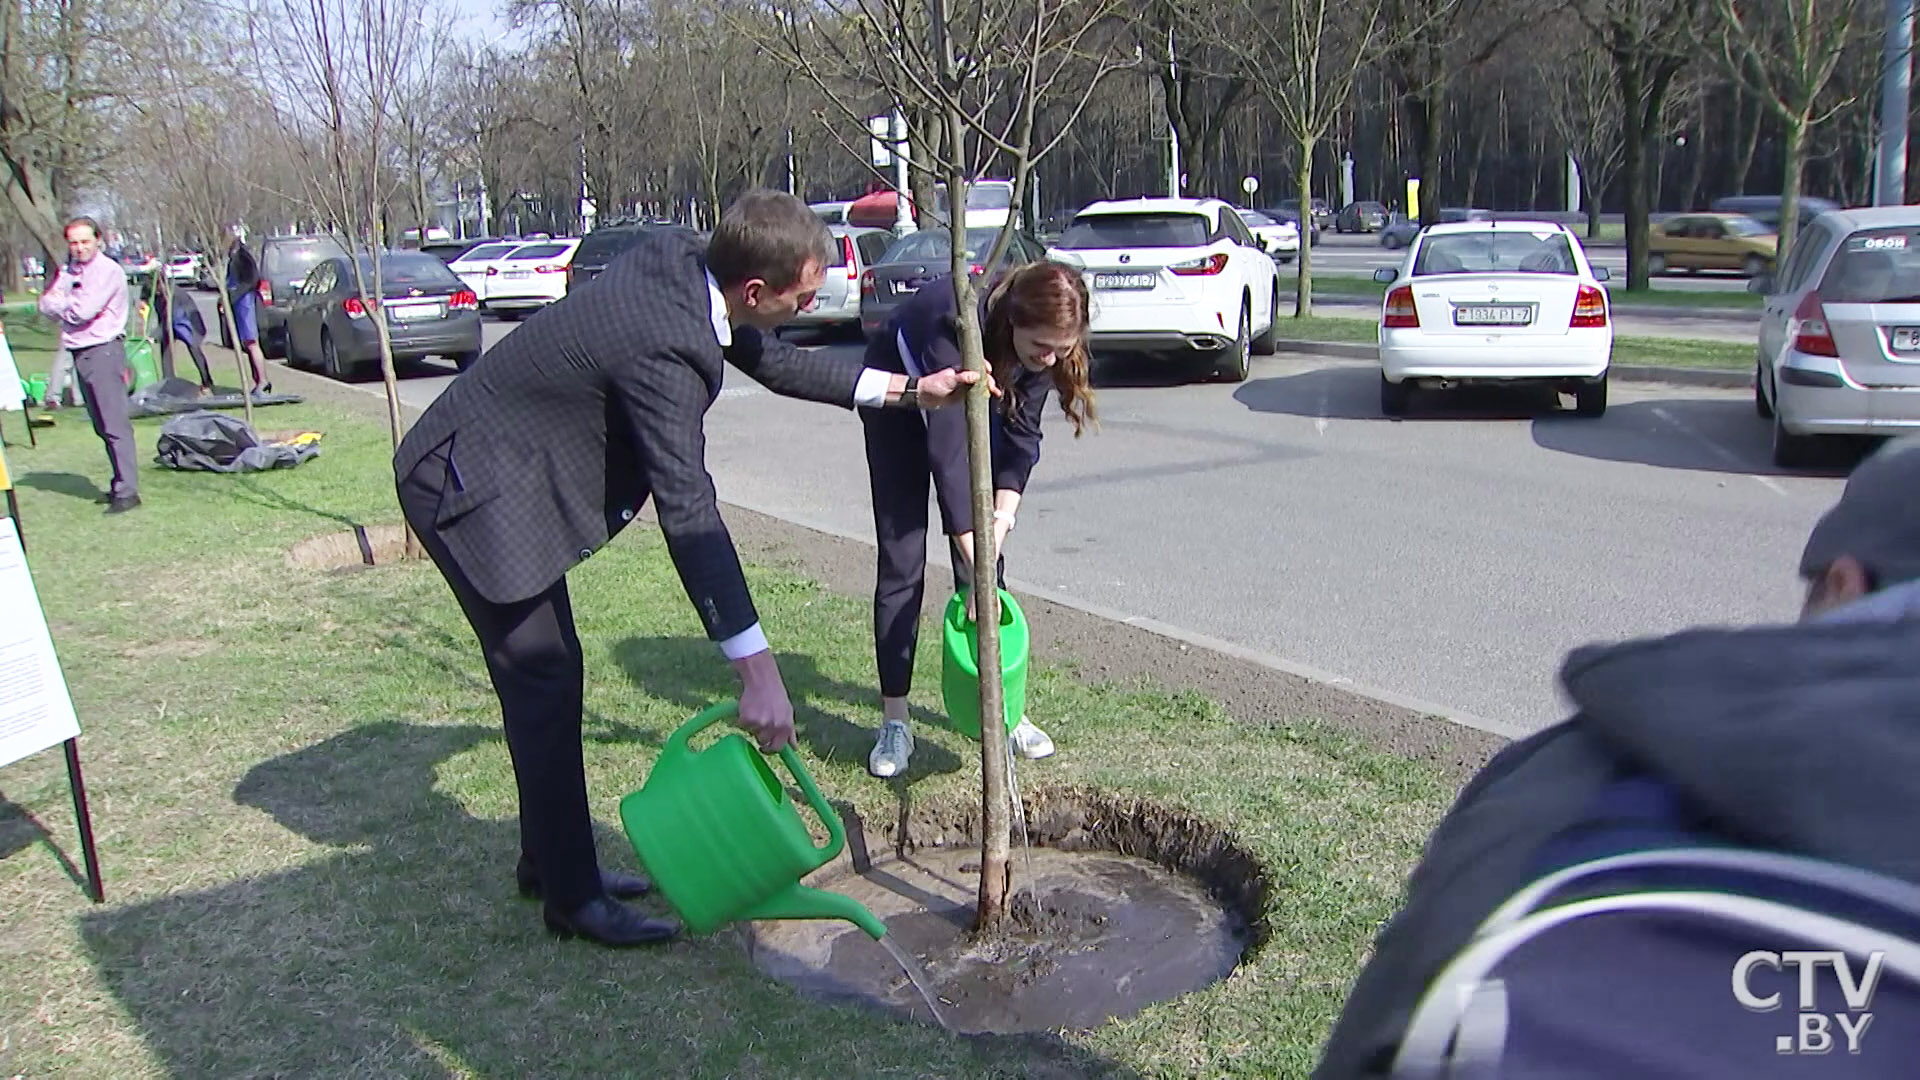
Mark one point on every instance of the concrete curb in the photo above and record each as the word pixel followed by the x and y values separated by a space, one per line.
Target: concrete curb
pixel 1724 380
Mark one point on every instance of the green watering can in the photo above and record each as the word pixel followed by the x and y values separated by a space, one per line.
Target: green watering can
pixel 720 838
pixel 960 669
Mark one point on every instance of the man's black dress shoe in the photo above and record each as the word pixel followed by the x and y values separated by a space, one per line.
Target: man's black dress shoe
pixel 121 506
pixel 616 884
pixel 606 921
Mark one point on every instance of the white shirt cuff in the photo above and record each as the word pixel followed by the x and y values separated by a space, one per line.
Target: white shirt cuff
pixel 871 390
pixel 745 643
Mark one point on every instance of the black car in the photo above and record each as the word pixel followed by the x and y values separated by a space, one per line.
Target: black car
pixel 449 251
pixel 429 312
pixel 599 248
pixel 285 262
pixel 919 257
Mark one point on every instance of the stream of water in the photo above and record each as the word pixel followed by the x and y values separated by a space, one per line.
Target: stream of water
pixel 917 976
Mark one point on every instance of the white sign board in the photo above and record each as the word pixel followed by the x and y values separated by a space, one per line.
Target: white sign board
pixel 12 396
pixel 35 711
pixel 1250 185
pixel 880 128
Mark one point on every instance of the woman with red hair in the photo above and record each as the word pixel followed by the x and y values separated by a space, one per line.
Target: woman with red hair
pixel 1034 326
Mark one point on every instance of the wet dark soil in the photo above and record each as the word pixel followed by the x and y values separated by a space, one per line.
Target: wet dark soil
pixel 1093 936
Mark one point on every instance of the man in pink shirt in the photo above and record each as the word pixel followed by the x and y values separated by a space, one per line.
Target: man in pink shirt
pixel 88 298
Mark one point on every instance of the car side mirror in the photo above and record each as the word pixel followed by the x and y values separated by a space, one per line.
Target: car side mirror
pixel 1601 273
pixel 1761 284
pixel 1386 275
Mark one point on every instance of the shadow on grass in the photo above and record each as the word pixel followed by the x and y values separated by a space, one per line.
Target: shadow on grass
pixel 69 484
pixel 405 951
pixel 20 830
pixel 687 671
pixel 246 489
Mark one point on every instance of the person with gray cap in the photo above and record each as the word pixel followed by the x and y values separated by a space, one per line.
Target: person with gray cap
pixel 1798 738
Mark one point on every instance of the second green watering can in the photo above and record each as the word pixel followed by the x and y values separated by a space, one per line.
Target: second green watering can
pixel 722 841
pixel 960 664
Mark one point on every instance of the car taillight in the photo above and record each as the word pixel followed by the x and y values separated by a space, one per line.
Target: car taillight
pixel 266 291
pixel 867 283
pixel 464 300
pixel 1400 312
pixel 1206 267
pixel 976 270
pixel 1811 334
pixel 550 268
pixel 356 308
pixel 492 270
pixel 1589 308
pixel 846 254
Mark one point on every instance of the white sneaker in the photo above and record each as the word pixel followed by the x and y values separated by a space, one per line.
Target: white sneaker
pixel 891 751
pixel 1029 741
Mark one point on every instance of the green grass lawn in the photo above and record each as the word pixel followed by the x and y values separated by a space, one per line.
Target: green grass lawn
pixel 306 813
pixel 1353 286
pixel 1627 349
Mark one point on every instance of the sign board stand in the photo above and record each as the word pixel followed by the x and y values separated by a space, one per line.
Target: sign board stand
pixel 35 711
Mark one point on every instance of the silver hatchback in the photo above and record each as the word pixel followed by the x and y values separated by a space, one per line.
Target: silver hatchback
pixel 1839 348
pixel 837 304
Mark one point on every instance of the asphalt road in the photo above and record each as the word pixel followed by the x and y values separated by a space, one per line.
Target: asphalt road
pixel 1450 560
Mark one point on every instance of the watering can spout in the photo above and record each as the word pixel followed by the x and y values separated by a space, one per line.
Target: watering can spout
pixel 800 902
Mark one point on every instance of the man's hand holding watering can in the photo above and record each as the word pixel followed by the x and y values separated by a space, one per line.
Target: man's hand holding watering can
pixel 765 710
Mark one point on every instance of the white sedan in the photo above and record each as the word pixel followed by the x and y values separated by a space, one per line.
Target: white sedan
pixel 1280 238
pixel 1495 301
pixel 529 277
pixel 1175 275
pixel 477 266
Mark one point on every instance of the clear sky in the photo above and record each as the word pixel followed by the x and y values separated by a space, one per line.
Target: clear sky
pixel 481 21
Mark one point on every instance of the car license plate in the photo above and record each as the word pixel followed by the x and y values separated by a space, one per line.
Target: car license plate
pixel 517 274
pixel 1493 315
pixel 1906 339
pixel 1125 281
pixel 905 288
pixel 410 312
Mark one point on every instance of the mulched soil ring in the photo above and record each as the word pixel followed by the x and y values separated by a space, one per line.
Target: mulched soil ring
pixel 1120 904
pixel 356 549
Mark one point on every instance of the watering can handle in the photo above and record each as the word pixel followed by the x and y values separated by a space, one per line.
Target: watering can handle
pixel 727 710
pixel 836 834
pixel 706 718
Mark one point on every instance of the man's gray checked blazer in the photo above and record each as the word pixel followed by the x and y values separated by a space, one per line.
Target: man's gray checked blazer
pixel 558 435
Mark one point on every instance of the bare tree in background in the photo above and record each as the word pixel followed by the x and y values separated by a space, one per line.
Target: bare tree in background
pixel 1649 43
pixel 1303 57
pixel 1577 80
pixel 185 129
pixel 342 62
pixel 1785 52
pixel 983 73
pixel 417 109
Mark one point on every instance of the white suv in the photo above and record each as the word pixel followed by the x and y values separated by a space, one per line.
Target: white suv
pixel 1180 275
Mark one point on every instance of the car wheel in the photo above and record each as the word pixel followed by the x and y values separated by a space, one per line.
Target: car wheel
pixel 1792 451
pixel 1266 343
pixel 1656 265
pixel 330 357
pixel 1590 399
pixel 465 360
pixel 1236 360
pixel 1754 265
pixel 1394 396
pixel 1762 404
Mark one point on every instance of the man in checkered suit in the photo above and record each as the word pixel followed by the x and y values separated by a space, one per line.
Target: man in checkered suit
pixel 545 449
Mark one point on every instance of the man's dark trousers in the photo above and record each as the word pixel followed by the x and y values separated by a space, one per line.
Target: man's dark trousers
pixel 101 370
pixel 534 659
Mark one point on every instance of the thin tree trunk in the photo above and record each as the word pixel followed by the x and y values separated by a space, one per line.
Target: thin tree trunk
pixel 1303 282
pixel 1796 153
